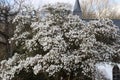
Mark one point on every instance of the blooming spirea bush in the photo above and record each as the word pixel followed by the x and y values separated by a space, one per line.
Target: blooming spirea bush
pixel 60 42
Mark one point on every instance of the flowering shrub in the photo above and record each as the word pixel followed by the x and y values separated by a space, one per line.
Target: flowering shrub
pixel 60 46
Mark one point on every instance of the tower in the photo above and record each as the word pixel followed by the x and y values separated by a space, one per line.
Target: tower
pixel 77 9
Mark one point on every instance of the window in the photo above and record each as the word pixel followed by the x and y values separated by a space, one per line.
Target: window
pixel 116 73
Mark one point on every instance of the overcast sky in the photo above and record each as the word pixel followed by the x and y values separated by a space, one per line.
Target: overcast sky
pixel 72 2
pixel 39 3
pixel 42 2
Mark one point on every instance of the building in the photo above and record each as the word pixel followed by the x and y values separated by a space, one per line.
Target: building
pixel 77 11
pixel 104 71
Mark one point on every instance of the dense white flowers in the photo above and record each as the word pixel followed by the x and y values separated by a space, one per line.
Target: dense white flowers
pixel 61 42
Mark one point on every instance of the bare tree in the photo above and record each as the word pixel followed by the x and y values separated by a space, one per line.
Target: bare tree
pixel 93 9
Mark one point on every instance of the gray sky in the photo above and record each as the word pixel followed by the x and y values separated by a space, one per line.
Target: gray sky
pixel 42 2
pixel 66 1
pixel 72 2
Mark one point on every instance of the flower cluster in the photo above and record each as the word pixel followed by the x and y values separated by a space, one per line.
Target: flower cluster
pixel 61 43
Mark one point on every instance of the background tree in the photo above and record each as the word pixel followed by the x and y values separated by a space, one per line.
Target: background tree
pixel 7 13
pixel 95 9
